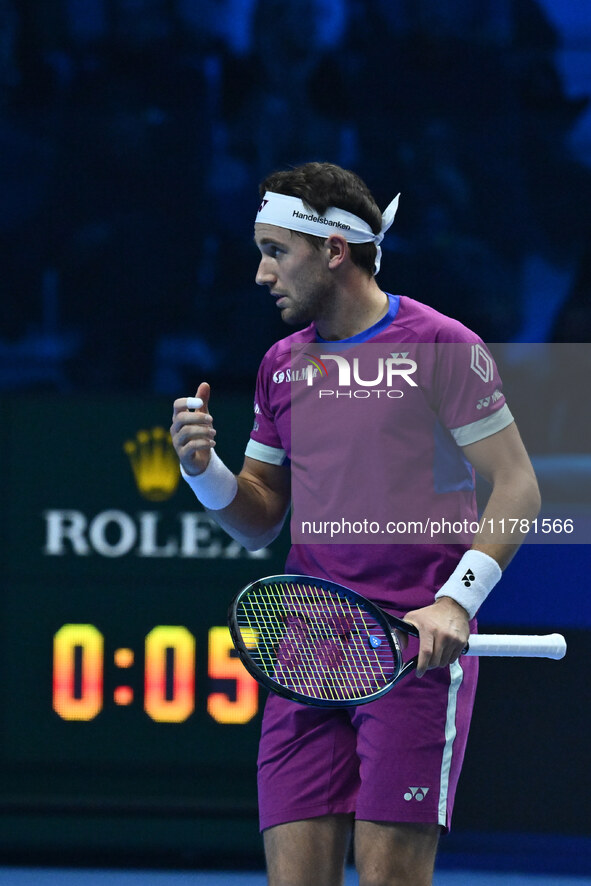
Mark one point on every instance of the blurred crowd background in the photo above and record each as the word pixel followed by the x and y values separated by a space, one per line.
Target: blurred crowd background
pixel 134 133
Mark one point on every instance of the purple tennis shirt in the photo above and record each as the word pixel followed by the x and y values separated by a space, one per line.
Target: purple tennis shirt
pixel 372 429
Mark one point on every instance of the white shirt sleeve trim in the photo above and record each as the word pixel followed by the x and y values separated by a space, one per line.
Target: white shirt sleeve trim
pixel 482 428
pixel 262 452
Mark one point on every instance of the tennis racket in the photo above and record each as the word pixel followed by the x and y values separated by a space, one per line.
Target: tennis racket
pixel 317 642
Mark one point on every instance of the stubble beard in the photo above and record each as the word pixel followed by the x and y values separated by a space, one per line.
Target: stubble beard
pixel 314 301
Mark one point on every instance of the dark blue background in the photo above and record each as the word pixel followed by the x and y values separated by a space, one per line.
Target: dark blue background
pixel 134 133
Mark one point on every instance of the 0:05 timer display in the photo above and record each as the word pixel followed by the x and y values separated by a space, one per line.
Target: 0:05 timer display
pixel 169 675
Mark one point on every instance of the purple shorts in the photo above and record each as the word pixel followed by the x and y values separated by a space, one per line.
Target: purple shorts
pixel 397 759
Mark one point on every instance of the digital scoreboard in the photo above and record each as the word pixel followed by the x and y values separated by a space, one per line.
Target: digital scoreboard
pixel 121 694
pixel 168 675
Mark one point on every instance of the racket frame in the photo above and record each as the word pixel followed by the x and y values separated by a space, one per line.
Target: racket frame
pixel 389 624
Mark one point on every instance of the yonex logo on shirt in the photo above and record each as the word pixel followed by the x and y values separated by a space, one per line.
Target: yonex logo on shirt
pixel 486 401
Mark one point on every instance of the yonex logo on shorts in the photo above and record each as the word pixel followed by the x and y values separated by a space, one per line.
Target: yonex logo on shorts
pixel 416 794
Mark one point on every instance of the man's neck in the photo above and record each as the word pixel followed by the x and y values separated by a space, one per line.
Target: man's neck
pixel 357 309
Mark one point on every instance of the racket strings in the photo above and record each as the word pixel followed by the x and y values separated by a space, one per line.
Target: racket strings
pixel 357 671
pixel 375 660
pixel 285 651
pixel 322 645
pixel 311 641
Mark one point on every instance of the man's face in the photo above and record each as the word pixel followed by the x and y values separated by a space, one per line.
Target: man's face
pixel 296 274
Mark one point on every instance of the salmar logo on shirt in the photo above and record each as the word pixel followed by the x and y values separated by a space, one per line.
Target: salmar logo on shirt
pixel 290 375
pixel 307 373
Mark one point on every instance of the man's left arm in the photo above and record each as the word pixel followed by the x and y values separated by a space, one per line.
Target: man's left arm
pixel 443 626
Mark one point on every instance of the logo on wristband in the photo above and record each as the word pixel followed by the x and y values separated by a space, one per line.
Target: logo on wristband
pixel 468 578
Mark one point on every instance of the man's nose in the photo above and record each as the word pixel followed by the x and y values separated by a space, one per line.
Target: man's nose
pixel 264 275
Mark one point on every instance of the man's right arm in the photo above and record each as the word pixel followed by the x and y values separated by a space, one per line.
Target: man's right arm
pixel 252 506
pixel 257 513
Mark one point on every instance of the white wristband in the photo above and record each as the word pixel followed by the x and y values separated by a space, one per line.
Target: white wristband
pixel 471 581
pixel 216 487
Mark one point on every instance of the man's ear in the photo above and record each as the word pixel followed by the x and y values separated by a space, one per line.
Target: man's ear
pixel 338 250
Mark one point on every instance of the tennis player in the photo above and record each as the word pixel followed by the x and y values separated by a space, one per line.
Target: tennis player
pixel 386 772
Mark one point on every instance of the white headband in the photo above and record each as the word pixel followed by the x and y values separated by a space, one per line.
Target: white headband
pixel 292 213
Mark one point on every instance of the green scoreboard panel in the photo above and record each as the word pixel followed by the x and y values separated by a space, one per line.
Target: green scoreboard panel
pixel 128 729
pixel 127 723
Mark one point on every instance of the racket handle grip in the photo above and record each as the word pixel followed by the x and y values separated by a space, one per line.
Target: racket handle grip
pixel 527 645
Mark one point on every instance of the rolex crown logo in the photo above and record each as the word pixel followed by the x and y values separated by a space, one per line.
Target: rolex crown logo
pixel 154 463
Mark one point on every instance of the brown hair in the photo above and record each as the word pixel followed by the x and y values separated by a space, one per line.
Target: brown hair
pixel 321 185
